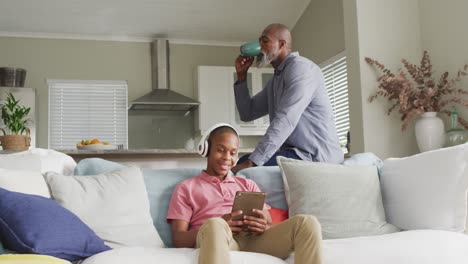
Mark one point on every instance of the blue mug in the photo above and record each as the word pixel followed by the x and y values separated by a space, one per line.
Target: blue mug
pixel 250 49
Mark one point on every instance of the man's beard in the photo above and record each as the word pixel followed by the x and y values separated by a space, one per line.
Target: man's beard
pixel 264 59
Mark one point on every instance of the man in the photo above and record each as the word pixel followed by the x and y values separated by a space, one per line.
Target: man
pixel 302 125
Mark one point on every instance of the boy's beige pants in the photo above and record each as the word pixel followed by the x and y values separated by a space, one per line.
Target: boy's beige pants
pixel 300 234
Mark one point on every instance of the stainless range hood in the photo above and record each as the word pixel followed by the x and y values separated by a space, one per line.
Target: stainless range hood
pixel 161 97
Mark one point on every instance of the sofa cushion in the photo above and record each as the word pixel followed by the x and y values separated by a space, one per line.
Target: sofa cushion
pixel 269 180
pixel 38 159
pixel 24 181
pixel 173 255
pixel 114 204
pixel 366 158
pixel 35 224
pixel 427 190
pixel 31 259
pixel 160 185
pixel 278 215
pixel 345 199
pixel 95 166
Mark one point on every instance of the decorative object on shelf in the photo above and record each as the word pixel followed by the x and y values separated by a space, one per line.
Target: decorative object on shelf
pixel 14 117
pixel 455 135
pixel 12 77
pixel 416 92
pixel 429 131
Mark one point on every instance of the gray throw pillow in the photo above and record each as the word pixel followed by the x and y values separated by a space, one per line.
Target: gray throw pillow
pixel 345 199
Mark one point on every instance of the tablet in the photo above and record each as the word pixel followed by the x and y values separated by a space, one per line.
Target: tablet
pixel 247 201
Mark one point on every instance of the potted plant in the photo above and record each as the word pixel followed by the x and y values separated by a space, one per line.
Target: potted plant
pixel 16 135
pixel 417 92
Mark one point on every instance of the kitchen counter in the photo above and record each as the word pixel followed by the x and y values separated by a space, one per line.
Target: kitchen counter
pixel 145 158
pixel 142 152
pixel 189 157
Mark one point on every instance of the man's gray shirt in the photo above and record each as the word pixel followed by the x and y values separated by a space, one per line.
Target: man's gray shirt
pixel 301 116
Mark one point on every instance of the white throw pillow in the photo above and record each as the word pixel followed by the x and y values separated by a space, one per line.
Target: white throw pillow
pixel 30 182
pixel 114 205
pixel 38 159
pixel 427 190
pixel 345 199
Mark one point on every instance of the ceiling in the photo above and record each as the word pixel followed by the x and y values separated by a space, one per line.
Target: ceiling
pixel 196 20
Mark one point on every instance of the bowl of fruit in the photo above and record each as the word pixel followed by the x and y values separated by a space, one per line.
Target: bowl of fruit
pixel 94 144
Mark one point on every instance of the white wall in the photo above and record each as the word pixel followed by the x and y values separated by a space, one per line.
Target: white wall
pixel 386 31
pixel 75 59
pixel 111 60
pixel 444 34
pixel 319 32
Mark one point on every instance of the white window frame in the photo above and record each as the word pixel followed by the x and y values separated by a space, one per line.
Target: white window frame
pixel 89 96
pixel 336 81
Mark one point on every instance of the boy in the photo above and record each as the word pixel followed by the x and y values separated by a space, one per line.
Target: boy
pixel 200 212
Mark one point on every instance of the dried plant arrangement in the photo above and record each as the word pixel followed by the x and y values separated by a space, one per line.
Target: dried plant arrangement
pixel 417 91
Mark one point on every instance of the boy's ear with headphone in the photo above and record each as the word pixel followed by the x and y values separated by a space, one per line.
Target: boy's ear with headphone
pixel 204 146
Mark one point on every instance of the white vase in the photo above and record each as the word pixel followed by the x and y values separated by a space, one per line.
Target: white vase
pixel 430 132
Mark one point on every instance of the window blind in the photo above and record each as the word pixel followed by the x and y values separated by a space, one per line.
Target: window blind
pixel 336 81
pixel 80 109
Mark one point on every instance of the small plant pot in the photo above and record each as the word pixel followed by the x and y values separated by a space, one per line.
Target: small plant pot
pixel 15 142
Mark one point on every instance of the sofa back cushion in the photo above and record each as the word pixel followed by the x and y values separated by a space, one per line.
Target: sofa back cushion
pixel 160 184
pixel 24 181
pixel 269 180
pixel 427 190
pixel 345 199
pixel 95 166
pixel 40 160
pixel 114 204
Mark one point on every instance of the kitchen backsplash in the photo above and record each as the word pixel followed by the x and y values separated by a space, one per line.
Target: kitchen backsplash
pixel 168 130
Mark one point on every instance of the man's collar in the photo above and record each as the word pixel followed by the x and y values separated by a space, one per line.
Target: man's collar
pixel 286 60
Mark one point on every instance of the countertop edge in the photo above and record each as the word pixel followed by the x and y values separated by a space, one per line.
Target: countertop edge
pixel 141 152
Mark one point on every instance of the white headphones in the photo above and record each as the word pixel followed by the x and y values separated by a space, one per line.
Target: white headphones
pixel 203 146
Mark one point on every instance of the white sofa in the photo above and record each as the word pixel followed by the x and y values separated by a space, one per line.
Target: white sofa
pixel 436 236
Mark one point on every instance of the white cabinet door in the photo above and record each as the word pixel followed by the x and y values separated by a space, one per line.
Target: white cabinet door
pixel 217 103
pixel 264 76
pixel 235 117
pixel 213 94
pixel 256 81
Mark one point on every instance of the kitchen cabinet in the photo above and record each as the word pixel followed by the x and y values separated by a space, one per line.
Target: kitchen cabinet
pixel 216 96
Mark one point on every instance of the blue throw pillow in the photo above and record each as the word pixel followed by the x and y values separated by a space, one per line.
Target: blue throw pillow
pixel 35 224
pixel 95 166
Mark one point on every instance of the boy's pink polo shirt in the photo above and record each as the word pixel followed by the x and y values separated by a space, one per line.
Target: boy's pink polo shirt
pixel 200 198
